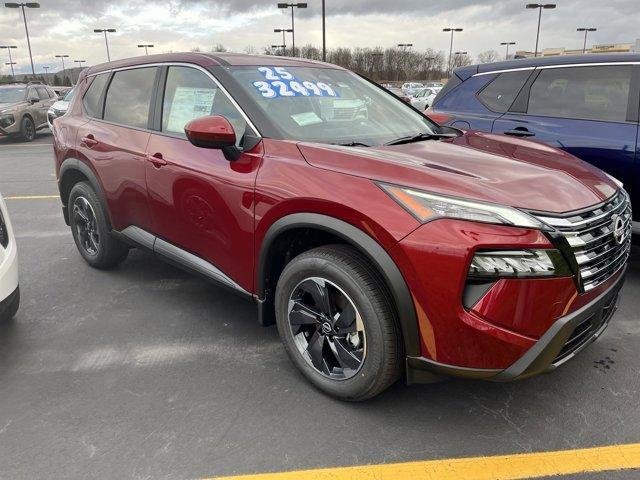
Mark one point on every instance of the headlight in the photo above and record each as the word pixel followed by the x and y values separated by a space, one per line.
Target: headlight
pixel 428 206
pixel 6 120
pixel 518 263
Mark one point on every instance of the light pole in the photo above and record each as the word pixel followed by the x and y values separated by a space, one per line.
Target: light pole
pixel 539 6
pixel 46 73
pixel 404 47
pixel 452 30
pixel 283 30
pixel 79 62
pixel 459 54
pixel 376 57
pixel 146 47
pixel 106 42
pixel 26 29
pixel 293 34
pixel 586 30
pixel 507 44
pixel 324 34
pixel 62 57
pixel 11 62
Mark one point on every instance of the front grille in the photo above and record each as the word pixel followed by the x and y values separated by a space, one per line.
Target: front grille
pixel 4 234
pixel 586 330
pixel 600 238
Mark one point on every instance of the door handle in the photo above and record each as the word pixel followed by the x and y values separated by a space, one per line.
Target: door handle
pixel 89 141
pixel 520 132
pixel 157 160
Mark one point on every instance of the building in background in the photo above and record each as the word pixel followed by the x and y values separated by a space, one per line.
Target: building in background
pixel 602 48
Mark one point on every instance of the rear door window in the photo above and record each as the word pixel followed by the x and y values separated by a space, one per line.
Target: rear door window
pixel 129 97
pixel 587 93
pixel 91 100
pixel 500 93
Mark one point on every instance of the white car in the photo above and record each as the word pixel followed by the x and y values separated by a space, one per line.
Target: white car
pixel 60 107
pixel 9 287
pixel 423 98
pixel 411 87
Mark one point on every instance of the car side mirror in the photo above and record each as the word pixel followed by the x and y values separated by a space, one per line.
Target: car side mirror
pixel 33 100
pixel 213 131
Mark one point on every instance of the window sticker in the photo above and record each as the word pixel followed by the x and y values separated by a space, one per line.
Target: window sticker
pixel 307 118
pixel 278 82
pixel 187 104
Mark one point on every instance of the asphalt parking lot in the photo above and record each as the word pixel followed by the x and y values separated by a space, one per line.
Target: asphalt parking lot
pixel 146 372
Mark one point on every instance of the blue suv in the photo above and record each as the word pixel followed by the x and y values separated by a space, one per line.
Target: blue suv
pixel 587 105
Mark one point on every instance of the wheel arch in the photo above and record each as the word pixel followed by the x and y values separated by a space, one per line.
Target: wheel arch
pixel 353 236
pixel 73 171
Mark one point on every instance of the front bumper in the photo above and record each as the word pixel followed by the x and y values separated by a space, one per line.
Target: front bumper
pixel 566 337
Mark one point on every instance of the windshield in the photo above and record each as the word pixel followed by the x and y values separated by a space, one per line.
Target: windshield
pixel 12 94
pixel 329 106
pixel 69 96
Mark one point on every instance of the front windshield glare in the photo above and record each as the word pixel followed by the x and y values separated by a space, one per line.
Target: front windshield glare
pixel 12 95
pixel 327 105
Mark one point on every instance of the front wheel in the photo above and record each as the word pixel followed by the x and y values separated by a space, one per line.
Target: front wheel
pixel 27 130
pixel 338 324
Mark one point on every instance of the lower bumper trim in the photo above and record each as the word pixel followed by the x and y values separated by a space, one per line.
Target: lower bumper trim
pixel 543 356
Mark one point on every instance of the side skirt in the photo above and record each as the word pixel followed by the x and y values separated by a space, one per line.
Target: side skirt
pixel 180 258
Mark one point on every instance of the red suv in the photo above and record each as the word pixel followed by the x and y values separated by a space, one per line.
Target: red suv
pixel 380 243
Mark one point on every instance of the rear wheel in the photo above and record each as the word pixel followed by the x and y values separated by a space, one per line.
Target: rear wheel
pixel 27 129
pixel 90 229
pixel 338 324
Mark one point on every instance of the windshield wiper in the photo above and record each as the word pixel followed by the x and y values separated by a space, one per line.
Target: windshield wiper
pixel 420 137
pixel 352 144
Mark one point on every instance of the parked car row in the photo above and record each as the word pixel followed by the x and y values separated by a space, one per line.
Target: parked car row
pixel 382 244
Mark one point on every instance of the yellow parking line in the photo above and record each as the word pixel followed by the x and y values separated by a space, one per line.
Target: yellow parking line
pixel 503 467
pixel 34 197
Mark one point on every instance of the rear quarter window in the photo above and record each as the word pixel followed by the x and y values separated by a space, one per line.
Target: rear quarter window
pixel 91 100
pixel 500 93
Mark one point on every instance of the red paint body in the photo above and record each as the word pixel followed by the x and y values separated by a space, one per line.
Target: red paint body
pixel 221 210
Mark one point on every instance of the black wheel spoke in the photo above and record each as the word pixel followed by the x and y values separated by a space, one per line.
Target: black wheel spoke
pixel 315 348
pixel 302 315
pixel 345 357
pixel 346 321
pixel 86 226
pixel 320 294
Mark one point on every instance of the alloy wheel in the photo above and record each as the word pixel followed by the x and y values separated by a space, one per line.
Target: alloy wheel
pixel 327 328
pixel 86 226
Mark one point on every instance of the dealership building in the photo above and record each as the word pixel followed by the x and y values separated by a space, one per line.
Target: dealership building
pixel 602 48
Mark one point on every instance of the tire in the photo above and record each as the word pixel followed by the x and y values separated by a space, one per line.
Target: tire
pixel 92 235
pixel 27 130
pixel 9 307
pixel 348 277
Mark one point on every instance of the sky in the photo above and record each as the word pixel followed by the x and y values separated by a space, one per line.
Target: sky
pixel 66 26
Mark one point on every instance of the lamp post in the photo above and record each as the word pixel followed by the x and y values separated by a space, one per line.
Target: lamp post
pixel 539 6
pixel 79 62
pixel 293 6
pixel 26 29
pixel 106 42
pixel 283 30
pixel 62 57
pixel 452 30
pixel 404 47
pixel 11 62
pixel 586 30
pixel 507 44
pixel 324 34
pixel 46 73
pixel 146 47
pixel 459 54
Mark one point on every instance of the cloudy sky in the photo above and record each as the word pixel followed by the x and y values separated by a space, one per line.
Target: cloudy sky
pixel 66 26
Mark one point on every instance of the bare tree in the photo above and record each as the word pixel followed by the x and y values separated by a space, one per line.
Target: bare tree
pixel 462 60
pixel 218 47
pixel 488 56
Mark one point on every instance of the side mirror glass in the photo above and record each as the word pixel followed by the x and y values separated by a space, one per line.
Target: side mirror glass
pixel 33 100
